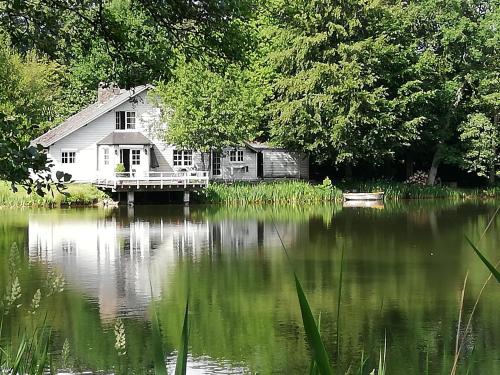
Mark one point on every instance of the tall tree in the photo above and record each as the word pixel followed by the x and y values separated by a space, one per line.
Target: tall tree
pixel 481 140
pixel 337 92
pixel 28 89
pixel 451 48
pixel 208 111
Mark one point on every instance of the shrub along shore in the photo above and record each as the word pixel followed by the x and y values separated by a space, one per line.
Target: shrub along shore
pixel 75 195
pixel 277 192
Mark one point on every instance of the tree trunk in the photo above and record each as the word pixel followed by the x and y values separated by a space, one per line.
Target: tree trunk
pixel 348 171
pixel 436 160
pixel 409 166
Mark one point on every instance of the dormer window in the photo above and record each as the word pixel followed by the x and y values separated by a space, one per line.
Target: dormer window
pixel 125 120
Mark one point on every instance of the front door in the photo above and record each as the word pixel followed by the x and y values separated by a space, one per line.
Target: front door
pixel 125 158
pixel 216 164
pixel 260 165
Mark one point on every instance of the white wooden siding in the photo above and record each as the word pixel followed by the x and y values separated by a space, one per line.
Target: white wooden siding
pixel 284 164
pixel 85 139
pixel 89 165
pixel 236 170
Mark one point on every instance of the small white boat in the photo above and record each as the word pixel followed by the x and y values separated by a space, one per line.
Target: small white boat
pixel 378 196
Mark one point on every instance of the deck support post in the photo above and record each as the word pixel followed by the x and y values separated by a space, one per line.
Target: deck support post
pixel 130 198
pixel 186 197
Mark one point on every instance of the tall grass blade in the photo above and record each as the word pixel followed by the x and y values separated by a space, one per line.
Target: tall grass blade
pixel 313 369
pixel 490 266
pixel 312 332
pixel 42 362
pixel 21 351
pixel 180 366
pixel 338 303
pixel 158 352
pixel 381 362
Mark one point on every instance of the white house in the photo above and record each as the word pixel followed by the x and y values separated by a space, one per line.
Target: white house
pixel 124 127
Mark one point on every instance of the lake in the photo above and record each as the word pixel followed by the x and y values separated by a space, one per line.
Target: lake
pixel 402 276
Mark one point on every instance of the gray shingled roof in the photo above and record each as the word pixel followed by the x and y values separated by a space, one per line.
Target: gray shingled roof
pixel 85 116
pixel 125 138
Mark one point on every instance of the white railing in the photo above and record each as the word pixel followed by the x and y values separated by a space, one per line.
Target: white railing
pixel 181 179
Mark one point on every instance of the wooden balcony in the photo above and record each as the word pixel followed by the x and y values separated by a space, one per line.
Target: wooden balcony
pixel 167 181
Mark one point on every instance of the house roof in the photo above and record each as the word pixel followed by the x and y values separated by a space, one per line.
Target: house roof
pixel 260 146
pixel 125 138
pixel 86 116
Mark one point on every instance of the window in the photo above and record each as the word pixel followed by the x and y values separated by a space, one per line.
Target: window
pixel 106 156
pixel 183 158
pixel 236 155
pixel 216 164
pixel 188 158
pixel 68 157
pixel 125 120
pixel 136 157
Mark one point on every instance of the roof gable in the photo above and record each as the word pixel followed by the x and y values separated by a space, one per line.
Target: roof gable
pixel 86 116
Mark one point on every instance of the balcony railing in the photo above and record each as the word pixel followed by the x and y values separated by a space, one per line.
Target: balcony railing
pixel 156 179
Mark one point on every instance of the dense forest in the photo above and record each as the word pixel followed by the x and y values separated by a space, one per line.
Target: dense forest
pixel 370 88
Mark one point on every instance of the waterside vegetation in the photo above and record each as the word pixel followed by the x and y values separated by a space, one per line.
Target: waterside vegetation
pixel 299 192
pixel 74 195
pixel 277 192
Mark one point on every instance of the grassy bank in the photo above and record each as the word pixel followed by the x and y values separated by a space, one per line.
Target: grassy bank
pixel 298 192
pixel 278 192
pixel 295 192
pixel 77 195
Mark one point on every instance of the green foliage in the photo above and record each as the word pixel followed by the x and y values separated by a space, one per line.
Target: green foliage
pixel 480 139
pixel 336 91
pixel 75 195
pixel 208 111
pixel 120 168
pixel 129 41
pixel 28 87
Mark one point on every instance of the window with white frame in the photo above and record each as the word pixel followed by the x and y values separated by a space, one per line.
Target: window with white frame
pixel 136 157
pixel 125 120
pixel 183 158
pixel 236 155
pixel 68 157
pixel 106 156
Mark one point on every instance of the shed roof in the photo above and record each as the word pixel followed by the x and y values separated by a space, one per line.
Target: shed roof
pixel 86 116
pixel 260 146
pixel 125 138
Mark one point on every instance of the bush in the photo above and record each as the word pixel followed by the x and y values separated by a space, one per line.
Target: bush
pixel 75 195
pixel 120 168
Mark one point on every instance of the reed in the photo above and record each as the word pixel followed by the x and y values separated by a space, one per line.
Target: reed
pixel 397 190
pixel 75 195
pixel 287 192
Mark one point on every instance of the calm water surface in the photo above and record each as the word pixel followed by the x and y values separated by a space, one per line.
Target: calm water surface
pixel 404 268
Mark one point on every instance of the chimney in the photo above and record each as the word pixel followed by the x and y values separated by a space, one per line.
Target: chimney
pixel 107 91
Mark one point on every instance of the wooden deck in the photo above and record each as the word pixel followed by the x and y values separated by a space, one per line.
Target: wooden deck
pixel 166 181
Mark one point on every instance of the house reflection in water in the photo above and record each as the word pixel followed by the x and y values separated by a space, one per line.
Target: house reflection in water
pixel 115 258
